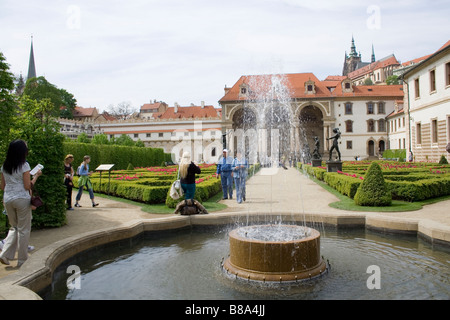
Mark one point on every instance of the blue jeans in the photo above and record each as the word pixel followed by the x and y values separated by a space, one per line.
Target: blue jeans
pixel 240 188
pixel 227 184
pixel 189 190
pixel 80 192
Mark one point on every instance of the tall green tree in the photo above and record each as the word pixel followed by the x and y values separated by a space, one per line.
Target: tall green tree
pixel 8 105
pixel 36 125
pixel 63 102
pixel 100 139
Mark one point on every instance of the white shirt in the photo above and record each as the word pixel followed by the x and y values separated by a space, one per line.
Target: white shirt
pixel 14 188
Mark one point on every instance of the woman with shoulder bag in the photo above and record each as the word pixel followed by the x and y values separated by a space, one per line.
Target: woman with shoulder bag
pixel 16 183
pixel 68 179
pixel 188 170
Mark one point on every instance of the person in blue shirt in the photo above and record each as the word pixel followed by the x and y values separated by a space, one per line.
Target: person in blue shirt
pixel 224 170
pixel 84 173
pixel 239 168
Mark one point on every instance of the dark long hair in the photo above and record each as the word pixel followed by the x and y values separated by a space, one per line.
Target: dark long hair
pixel 16 156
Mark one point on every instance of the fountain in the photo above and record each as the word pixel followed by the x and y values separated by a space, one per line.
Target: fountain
pixel 275 253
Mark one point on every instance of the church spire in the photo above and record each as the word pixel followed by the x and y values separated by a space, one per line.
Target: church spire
pixel 353 52
pixel 373 54
pixel 31 65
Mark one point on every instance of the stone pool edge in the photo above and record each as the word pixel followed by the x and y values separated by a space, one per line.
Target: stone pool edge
pixel 36 274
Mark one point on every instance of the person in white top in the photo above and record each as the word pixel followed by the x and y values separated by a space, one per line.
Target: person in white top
pixel 16 183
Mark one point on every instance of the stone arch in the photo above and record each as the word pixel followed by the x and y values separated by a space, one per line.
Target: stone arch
pixel 381 146
pixel 370 147
pixel 310 118
pixel 298 108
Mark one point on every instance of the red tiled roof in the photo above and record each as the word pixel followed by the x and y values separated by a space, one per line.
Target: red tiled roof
pixel 390 60
pixel 162 131
pixel 296 85
pixel 444 46
pixel 83 112
pixel 414 61
pixel 107 116
pixel 417 60
pixel 335 78
pixel 189 112
pixel 148 106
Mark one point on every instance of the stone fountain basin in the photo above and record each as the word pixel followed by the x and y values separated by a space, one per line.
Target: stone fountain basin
pixel 275 260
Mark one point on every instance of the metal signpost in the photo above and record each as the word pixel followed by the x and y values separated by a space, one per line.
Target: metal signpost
pixel 105 167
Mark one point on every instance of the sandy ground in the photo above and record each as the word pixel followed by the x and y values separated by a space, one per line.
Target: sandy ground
pixel 269 191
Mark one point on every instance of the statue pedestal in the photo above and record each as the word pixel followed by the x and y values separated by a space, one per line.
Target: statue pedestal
pixel 316 162
pixel 334 166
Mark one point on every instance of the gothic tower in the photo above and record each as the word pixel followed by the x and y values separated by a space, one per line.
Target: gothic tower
pixel 351 61
pixel 31 65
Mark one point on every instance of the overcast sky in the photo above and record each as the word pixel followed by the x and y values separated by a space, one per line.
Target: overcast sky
pixel 186 51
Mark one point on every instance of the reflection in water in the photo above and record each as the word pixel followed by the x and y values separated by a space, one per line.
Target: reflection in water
pixel 187 265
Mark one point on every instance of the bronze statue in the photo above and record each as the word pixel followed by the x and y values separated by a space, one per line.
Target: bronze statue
pixel 335 143
pixel 316 154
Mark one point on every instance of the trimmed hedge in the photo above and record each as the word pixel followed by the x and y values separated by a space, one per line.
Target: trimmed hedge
pixel 373 191
pixel 344 184
pixel 419 190
pixel 120 156
pixel 416 182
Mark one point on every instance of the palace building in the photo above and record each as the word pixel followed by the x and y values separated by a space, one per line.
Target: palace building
pixel 311 108
pixel 427 104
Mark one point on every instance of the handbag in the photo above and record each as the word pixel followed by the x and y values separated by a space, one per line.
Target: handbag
pixel 176 191
pixel 36 200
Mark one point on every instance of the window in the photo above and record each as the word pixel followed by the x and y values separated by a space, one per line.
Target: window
pixel 148 135
pixel 347 85
pixel 349 126
pixel 416 88
pixel 199 133
pixel 370 108
pixel 310 87
pixel 432 80
pixel 348 108
pixel 418 133
pixel 136 135
pixel 243 90
pixel 172 134
pixel 447 74
pixel 381 108
pixel 213 152
pixel 186 134
pixel 349 144
pixel 381 125
pixel 370 125
pixel 160 134
pixel 434 131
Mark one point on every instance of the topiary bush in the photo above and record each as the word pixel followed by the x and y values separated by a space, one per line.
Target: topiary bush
pixel 373 191
pixel 443 160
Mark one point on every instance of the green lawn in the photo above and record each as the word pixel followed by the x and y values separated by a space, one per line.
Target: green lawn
pixel 346 203
pixel 211 204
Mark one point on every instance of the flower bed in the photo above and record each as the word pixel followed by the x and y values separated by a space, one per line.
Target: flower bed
pixel 151 184
pixel 407 181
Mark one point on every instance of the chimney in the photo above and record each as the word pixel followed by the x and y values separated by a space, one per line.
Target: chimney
pixel 203 104
pixel 176 107
pixel 226 89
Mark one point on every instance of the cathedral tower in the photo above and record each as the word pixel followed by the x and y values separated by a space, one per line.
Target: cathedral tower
pixel 31 65
pixel 351 61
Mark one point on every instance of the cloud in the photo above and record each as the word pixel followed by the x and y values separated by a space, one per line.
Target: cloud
pixel 106 52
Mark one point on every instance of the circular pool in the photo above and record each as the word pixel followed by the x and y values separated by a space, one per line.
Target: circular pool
pixel 187 264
